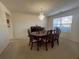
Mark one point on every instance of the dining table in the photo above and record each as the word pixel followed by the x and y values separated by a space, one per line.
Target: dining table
pixel 40 36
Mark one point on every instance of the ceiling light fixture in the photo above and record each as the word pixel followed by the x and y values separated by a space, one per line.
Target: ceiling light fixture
pixel 41 15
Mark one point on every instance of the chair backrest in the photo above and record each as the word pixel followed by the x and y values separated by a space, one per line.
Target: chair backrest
pixel 49 34
pixel 56 34
pixel 29 35
pixel 32 37
pixel 49 31
pixel 28 31
pixel 58 30
pixel 36 28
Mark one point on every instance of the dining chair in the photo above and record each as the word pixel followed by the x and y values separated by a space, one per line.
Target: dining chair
pixel 48 39
pixel 28 31
pixel 51 37
pixel 45 41
pixel 56 36
pixel 34 39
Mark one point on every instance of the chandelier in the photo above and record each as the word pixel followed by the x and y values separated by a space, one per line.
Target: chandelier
pixel 41 15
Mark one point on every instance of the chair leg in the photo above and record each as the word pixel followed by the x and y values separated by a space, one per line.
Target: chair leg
pixel 31 45
pixel 46 46
pixel 57 41
pixel 37 45
pixel 52 44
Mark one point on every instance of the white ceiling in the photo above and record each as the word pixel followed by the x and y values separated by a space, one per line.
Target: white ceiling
pixel 49 7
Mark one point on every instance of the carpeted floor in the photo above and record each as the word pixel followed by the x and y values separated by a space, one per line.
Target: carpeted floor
pixel 19 49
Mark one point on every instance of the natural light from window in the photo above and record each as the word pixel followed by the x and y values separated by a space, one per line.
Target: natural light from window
pixel 64 23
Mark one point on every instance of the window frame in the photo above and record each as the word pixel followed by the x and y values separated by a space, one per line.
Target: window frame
pixel 60 25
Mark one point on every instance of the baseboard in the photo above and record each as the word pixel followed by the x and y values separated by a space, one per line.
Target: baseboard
pixel 74 41
pixel 1 51
pixel 70 40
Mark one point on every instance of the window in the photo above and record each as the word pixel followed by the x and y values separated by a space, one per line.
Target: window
pixel 64 23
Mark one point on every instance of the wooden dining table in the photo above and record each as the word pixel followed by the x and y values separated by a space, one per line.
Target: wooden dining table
pixel 39 36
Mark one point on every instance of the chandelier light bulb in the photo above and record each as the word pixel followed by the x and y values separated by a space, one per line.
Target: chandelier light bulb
pixel 41 16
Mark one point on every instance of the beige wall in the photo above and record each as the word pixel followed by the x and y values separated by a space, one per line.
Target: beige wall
pixel 49 22
pixel 74 34
pixel 21 22
pixel 4 31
